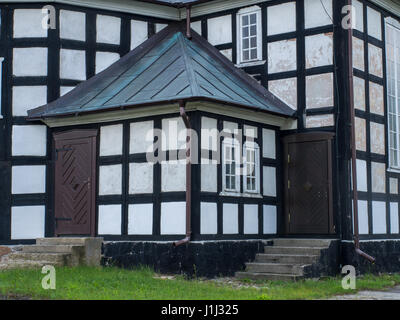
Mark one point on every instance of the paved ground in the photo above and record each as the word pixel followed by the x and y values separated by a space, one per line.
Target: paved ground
pixel 391 294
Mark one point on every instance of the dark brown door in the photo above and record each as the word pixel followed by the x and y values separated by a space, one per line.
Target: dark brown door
pixel 308 183
pixel 75 182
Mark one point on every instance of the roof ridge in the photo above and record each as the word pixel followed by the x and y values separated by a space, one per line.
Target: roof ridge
pixel 188 65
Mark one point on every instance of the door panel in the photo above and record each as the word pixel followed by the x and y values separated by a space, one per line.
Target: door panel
pixel 308 189
pixel 75 182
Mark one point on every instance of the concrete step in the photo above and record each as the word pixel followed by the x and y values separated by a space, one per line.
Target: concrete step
pixel 73 249
pixel 25 264
pixel 276 268
pixel 313 251
pixel 59 259
pixel 267 276
pixel 291 242
pixel 62 241
pixel 286 258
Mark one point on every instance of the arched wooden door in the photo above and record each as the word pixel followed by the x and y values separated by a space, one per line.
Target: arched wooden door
pixel 75 182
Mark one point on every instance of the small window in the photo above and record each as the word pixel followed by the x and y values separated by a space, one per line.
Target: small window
pixel 249 35
pixel 231 165
pixel 251 158
pixel 393 92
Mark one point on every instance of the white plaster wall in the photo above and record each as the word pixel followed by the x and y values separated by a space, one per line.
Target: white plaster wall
pixel 160 26
pixel 359 16
pixel 358 54
pixel 209 134
pixel 175 134
pixel 379 217
pixel 141 137
pixel 72 25
pixel 108 29
pixel 72 64
pixel 362 175
pixel 230 127
pixel 196 26
pixel 317 13
pixel 27 97
pixel 319 91
pixel 111 140
pixel 227 53
pixel 29 140
pixel 110 180
pixel 250 215
pixel 105 59
pixel 363 224
pixel 230 218
pixel 209 173
pixel 173 176
pixel 322 120
pixel 394 217
pixel 220 30
pixel 139 33
pixel 286 90
pixel 29 62
pixel 28 179
pixel 269 140
pixel 27 222
pixel 374 23
pixel 64 90
pixel 140 178
pixel 270 219
pixel 250 132
pixel 173 218
pixel 110 220
pixel 28 23
pixel 282 13
pixel 282 56
pixel 375 61
pixel 319 50
pixel 269 181
pixel 140 219
pixel 208 218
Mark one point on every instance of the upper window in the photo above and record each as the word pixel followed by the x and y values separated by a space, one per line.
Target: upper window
pixel 393 92
pixel 249 35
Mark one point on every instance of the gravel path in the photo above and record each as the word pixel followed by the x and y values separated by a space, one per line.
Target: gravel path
pixel 391 294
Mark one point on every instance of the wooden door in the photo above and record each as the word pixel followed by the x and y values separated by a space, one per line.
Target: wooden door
pixel 308 184
pixel 75 182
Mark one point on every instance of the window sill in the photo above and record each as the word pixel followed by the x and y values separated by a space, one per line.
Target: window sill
pixel 251 64
pixel 394 170
pixel 238 194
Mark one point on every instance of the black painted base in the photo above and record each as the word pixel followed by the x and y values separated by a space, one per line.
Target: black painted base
pixel 201 259
pixel 386 253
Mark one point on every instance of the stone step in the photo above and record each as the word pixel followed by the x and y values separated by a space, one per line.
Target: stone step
pixel 62 241
pixel 276 268
pixel 73 249
pixel 60 259
pixel 26 264
pixel 291 242
pixel 286 258
pixel 293 250
pixel 268 276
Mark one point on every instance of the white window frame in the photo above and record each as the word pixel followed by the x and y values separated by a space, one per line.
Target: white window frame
pixel 246 12
pixel 253 147
pixel 231 143
pixel 395 26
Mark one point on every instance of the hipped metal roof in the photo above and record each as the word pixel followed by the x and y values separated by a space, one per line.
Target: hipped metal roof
pixel 165 69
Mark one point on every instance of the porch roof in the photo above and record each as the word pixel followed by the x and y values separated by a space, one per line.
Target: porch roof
pixel 167 68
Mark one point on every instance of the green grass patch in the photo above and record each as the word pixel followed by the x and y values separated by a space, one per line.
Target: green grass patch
pixel 88 283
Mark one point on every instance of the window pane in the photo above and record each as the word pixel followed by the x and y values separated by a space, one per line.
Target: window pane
pixel 245 20
pixel 253 18
pixel 254 54
pixel 253 30
pixel 245 43
pixel 245 32
pixel 253 42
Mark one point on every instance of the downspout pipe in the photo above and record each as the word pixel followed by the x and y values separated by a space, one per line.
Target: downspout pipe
pixel 188 126
pixel 353 141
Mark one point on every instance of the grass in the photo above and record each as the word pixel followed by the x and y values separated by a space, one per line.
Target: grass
pixel 85 283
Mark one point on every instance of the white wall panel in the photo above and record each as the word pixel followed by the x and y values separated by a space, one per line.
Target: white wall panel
pixel 72 64
pixel 362 175
pixel 282 18
pixel 209 134
pixel 108 29
pixel 105 59
pixel 270 219
pixel 29 140
pixel 374 20
pixel 72 25
pixel 208 218
pixel 319 50
pixel 65 89
pixel 173 218
pixel 28 23
pixel 27 222
pixel 363 224
pixel 140 178
pixel 250 215
pixel 141 137
pixel 269 178
pixel 139 33
pixel 25 98
pixel 220 30
pixel 230 222
pixel 28 179
pixel 110 180
pixel 110 220
pixel 317 13
pixel 175 134
pixel 173 176
pixel 394 217
pixel 269 141
pixel 209 173
pixel 29 62
pixel 140 220
pixel 379 217
pixel 282 56
pixel 111 140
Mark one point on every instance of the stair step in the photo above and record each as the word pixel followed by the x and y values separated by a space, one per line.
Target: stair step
pixel 268 276
pixel 286 258
pixel 291 242
pixel 276 268
pixel 51 258
pixel 293 250
pixel 62 241
pixel 78 249
pixel 26 264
